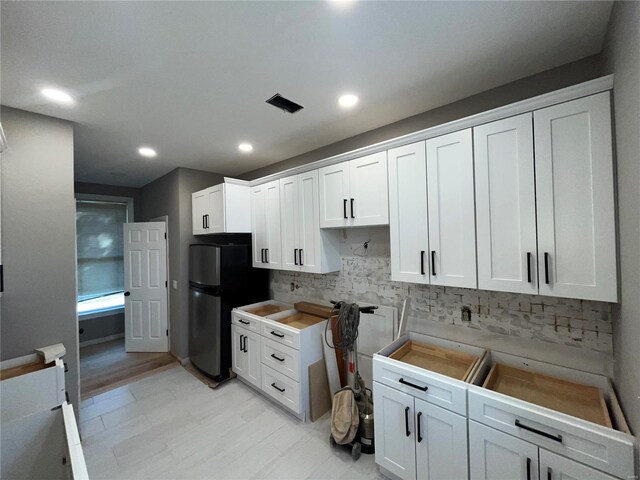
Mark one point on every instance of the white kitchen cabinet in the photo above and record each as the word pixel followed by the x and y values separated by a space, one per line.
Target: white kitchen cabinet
pixel 506 205
pixel 441 436
pixel 409 235
pixel 451 210
pixel 245 354
pixel 223 208
pixel 555 467
pixel 494 455
pixel 265 225
pixel 395 431
pixel 305 247
pixel 355 193
pixel 575 200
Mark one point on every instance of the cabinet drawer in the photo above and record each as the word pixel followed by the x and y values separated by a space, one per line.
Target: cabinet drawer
pixel 431 387
pixel 586 442
pixel 245 321
pixel 281 334
pixel 282 389
pixel 284 359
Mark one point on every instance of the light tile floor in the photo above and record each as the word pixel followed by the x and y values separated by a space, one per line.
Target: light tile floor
pixel 171 426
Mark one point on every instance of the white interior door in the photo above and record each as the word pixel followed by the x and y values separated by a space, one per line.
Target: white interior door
pixel 145 283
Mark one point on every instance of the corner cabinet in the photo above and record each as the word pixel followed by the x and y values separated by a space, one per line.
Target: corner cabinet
pixel 223 208
pixel 305 248
pixel 265 225
pixel 354 193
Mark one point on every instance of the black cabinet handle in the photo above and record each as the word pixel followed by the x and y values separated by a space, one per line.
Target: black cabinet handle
pixel 419 428
pixel 266 255
pixel 207 219
pixel 245 344
pixel 273 355
pixel 243 322
pixel 433 263
pixel 277 334
pixel 404 382
pixel 546 267
pixel 549 473
pixel 66 367
pixel 300 255
pixel 406 421
pixel 352 215
pixel 126 294
pixel 204 225
pixel 241 349
pixel 344 208
pixel 262 255
pixel 529 267
pixel 528 468
pixel 421 262
pixel 295 256
pixel 277 388
pixel 555 438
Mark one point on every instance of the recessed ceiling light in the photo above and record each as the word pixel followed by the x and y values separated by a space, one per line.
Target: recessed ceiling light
pixel 147 152
pixel 59 96
pixel 347 101
pixel 245 147
pixel 342 4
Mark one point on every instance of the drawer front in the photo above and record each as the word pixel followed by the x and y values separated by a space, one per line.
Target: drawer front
pixel 285 336
pixel 245 321
pixel 282 389
pixel 281 358
pixel 591 444
pixel 432 388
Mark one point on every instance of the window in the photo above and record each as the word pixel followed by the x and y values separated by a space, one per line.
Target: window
pixel 100 260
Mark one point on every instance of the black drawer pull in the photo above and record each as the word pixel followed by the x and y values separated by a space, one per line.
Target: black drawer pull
pixel 352 215
pixel 279 335
pixel 277 388
pixel 404 382
pixel 295 256
pixel 546 268
pixel 419 428
pixel 344 208
pixel 555 438
pixel 529 267
pixel 433 263
pixel 243 322
pixel 406 421
pixel 528 468
pixel 273 355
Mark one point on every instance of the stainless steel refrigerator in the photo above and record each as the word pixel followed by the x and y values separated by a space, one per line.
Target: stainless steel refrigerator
pixel 220 278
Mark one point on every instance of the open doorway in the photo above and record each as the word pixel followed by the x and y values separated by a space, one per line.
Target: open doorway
pixel 104 362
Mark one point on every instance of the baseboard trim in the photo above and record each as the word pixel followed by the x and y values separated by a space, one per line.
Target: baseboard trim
pixel 95 341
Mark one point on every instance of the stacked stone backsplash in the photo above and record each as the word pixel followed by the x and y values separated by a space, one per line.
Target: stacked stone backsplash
pixel 577 323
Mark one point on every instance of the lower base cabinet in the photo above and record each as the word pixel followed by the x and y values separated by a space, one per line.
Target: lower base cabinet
pixel 418 440
pixel 494 455
pixel 245 355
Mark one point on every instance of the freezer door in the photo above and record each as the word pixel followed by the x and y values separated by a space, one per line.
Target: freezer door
pixel 206 332
pixel 204 264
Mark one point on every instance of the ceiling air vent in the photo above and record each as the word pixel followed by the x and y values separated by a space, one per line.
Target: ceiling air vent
pixel 285 104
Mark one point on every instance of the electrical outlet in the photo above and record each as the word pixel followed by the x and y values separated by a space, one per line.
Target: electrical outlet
pixel 466 314
pixel 293 286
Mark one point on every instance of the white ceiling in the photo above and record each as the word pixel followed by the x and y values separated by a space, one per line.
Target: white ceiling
pixel 191 79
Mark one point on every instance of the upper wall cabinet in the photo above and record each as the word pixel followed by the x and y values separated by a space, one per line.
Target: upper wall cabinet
pixel 450 200
pixel 223 208
pixel 409 235
pixel 265 225
pixel 305 247
pixel 506 205
pixel 354 193
pixel 575 200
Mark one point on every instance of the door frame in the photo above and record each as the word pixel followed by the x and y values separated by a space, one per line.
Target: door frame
pixel 165 219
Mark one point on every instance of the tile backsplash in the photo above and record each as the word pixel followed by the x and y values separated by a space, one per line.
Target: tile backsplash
pixel 576 323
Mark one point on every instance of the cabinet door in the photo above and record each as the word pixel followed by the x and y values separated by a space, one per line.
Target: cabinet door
pixel 309 243
pixel 506 205
pixel 334 195
pixel 575 200
pixel 369 200
pixel 215 209
pixel 494 455
pixel 395 431
pixel 452 239
pixel 252 354
pixel 290 222
pixel 259 224
pixel 408 213
pixel 199 207
pixel 273 242
pixel 555 467
pixel 441 443
pixel 238 357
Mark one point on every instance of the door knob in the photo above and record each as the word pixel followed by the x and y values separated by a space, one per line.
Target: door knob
pixel 126 294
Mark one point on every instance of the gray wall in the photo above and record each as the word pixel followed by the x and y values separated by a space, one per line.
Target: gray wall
pixel 171 195
pixel 38 239
pixel 622 55
pixel 554 79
